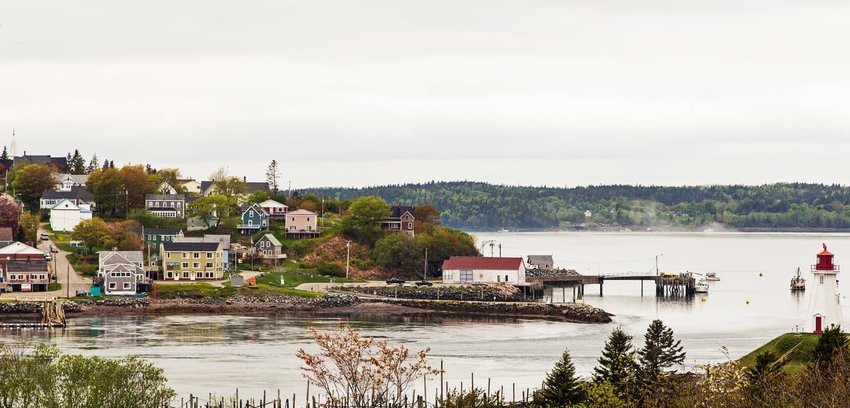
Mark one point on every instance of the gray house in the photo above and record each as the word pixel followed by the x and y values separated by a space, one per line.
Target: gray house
pixel 121 271
pixel 540 262
pixel 166 205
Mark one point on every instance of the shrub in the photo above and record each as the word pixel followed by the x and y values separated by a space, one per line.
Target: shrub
pixel 331 269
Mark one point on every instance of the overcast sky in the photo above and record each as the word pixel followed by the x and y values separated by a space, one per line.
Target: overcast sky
pixel 359 93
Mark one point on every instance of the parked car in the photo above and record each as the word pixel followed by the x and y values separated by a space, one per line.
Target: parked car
pixel 395 281
pixel 81 293
pixel 45 237
pixel 48 256
pixel 424 283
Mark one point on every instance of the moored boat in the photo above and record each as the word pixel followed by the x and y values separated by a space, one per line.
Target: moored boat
pixel 711 277
pixel 798 282
pixel 701 286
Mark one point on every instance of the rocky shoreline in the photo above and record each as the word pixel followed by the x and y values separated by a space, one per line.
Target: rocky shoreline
pixel 325 305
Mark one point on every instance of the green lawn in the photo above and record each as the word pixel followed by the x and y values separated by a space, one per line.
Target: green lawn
pixel 799 347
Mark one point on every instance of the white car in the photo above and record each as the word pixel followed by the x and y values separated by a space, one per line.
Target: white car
pixel 48 256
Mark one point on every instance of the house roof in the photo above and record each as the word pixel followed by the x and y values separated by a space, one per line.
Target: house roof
pixel 65 204
pixel 33 265
pixel 271 239
pixel 252 187
pixel 19 248
pixel 398 210
pixel 78 192
pixel 191 246
pixel 481 262
pixel 47 160
pixel 256 207
pixel 123 267
pixel 273 203
pixel 223 239
pixel 162 231
pixel 78 178
pixel 6 234
pixel 120 257
pixel 301 212
pixel 170 197
pixel 540 260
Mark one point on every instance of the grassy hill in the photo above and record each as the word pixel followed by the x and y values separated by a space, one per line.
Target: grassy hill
pixel 797 346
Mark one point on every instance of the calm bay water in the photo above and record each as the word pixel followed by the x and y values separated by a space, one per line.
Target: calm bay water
pixel 749 306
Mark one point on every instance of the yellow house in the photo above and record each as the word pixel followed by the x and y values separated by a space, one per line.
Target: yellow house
pixel 192 260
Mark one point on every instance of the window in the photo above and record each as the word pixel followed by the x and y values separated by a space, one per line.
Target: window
pixel 127 285
pixel 113 285
pixel 185 255
pixel 196 265
pixel 209 265
pixel 209 255
pixel 209 274
pixel 185 265
pixel 199 274
pixel 821 279
pixel 466 275
pixel 186 275
pixel 170 275
pixel 409 225
pixel 196 255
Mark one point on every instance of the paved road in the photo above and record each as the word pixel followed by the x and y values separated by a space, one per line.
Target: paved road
pixel 323 286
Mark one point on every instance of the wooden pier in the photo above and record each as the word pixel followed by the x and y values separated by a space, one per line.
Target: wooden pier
pixel 52 316
pixel 666 286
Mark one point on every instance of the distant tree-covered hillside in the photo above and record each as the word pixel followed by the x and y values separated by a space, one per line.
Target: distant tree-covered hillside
pixel 475 205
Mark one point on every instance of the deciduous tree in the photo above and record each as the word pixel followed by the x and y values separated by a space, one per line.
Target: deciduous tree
pixel 137 184
pixel 93 233
pixel 107 186
pixel 32 182
pixel 29 227
pixel 363 217
pixel 10 213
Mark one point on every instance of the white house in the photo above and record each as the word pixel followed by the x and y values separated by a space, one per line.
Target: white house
pixel 274 208
pixel 469 269
pixel 65 182
pixel 65 215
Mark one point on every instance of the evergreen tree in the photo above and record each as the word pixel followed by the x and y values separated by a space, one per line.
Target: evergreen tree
pixel 272 175
pixel 111 164
pixel 92 164
pixel 561 388
pixel 831 341
pixel 660 351
pixel 5 155
pixel 617 362
pixel 105 165
pixel 77 165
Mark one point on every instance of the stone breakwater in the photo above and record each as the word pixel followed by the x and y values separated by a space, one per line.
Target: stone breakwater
pixel 578 313
pixel 328 304
pixel 465 293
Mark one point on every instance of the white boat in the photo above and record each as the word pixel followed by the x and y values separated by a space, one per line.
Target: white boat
pixel 798 282
pixel 701 286
pixel 711 277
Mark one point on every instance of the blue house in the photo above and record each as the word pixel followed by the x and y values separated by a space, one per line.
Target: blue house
pixel 254 219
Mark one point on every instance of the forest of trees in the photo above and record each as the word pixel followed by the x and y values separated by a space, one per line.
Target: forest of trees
pixel 475 205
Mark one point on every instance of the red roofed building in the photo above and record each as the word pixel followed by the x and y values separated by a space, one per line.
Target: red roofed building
pixel 469 269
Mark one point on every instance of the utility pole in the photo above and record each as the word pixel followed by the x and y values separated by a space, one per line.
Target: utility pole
pixel 68 282
pixel 657 271
pixel 425 274
pixel 347 257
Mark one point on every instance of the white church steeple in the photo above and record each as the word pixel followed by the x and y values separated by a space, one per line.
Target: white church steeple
pixel 13 147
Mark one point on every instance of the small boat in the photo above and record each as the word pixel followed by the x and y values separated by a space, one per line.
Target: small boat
pixel 711 277
pixel 798 282
pixel 701 286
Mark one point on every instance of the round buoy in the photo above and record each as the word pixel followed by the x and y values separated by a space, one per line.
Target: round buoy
pixel 748 301
pixel 703 300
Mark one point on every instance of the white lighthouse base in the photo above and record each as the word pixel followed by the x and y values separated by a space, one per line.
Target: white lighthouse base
pixel 824 307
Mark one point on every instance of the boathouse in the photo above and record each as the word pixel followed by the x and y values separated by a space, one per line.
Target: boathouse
pixel 479 269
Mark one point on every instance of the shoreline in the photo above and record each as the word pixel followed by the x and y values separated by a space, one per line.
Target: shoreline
pixel 324 306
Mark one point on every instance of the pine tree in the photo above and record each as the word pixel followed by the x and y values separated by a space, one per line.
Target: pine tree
pixel 77 165
pixel 105 164
pixel 660 351
pixel 111 164
pixel 5 155
pixel 831 341
pixel 561 388
pixel 92 164
pixel 272 175
pixel 617 362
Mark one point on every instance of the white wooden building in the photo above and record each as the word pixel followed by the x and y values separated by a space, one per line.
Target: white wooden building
pixel 472 269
